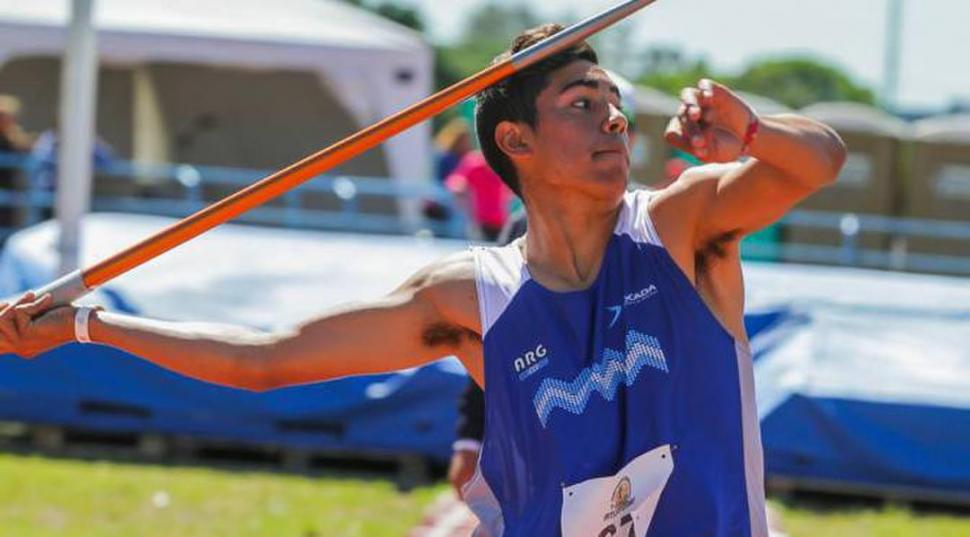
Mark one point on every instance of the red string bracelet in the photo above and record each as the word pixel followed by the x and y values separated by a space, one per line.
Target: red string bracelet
pixel 749 134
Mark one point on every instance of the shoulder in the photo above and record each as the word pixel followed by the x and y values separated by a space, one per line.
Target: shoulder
pixel 444 275
pixel 694 183
pixel 683 203
pixel 448 286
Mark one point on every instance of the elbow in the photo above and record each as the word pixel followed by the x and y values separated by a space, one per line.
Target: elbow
pixel 251 372
pixel 263 365
pixel 254 386
pixel 833 154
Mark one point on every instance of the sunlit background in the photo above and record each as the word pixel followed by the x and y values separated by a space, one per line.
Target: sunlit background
pixel 118 117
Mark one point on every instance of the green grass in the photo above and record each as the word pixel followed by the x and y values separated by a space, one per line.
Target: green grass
pixel 72 498
pixel 69 498
pixel 813 520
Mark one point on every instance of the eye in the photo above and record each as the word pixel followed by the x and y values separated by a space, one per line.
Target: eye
pixel 583 104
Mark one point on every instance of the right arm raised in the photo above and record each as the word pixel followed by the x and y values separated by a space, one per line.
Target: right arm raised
pixel 433 314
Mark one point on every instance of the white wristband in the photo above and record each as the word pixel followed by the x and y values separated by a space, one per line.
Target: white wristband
pixel 466 444
pixel 81 321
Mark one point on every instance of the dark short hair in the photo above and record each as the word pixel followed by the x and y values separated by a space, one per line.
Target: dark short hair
pixel 514 99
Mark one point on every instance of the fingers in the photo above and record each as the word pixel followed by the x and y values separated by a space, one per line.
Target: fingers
pixel 21 321
pixel 24 313
pixel 27 297
pixel 15 318
pixel 38 306
pixel 9 335
pixel 8 329
pixel 674 134
pixel 709 122
pixel 691 104
pixel 689 136
pixel 707 87
pixel 696 116
pixel 715 92
pixel 8 317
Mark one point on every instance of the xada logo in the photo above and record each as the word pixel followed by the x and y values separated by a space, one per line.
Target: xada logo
pixel 531 361
pixel 629 300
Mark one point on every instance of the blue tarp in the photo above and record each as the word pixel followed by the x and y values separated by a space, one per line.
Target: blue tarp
pixel 864 382
pixel 863 377
pixel 258 277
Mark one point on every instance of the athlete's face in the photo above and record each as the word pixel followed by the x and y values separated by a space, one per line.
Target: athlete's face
pixel 580 140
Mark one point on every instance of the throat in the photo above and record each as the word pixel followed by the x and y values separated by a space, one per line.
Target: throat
pixel 565 273
pixel 564 248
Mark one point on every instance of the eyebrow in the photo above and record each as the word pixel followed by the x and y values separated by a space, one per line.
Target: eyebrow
pixel 590 83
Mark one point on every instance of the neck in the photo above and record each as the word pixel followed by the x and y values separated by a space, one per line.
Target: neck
pixel 567 238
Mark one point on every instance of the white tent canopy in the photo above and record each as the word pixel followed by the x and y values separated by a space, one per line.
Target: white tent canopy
pixel 374 66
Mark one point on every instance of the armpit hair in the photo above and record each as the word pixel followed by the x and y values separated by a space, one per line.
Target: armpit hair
pixel 713 250
pixel 449 335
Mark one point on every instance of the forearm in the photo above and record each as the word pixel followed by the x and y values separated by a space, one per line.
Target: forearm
pixel 221 354
pixel 803 149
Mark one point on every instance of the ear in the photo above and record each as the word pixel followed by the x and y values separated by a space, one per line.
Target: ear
pixel 514 139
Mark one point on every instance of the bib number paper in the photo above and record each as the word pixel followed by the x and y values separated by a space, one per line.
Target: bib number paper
pixel 620 505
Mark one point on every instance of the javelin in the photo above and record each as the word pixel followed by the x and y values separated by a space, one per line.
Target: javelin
pixel 81 282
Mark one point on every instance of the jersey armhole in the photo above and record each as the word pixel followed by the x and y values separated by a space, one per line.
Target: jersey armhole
pixel 648 226
pixel 480 275
pixel 635 219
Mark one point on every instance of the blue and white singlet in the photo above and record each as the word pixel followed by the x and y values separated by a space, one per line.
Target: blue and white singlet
pixel 624 409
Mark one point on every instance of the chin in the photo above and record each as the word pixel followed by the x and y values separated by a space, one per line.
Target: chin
pixel 613 175
pixel 611 183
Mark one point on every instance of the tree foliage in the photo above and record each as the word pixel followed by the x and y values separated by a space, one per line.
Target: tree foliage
pixel 403 15
pixel 667 69
pixel 799 82
pixel 488 32
pixel 794 82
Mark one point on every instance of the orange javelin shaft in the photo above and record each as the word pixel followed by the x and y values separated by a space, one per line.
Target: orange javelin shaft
pixel 79 283
pixel 290 177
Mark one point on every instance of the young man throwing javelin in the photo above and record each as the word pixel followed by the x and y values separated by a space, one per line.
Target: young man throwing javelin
pixel 609 339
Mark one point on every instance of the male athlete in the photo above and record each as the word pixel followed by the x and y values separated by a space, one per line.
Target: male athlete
pixel 609 339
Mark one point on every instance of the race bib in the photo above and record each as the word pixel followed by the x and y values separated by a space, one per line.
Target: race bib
pixel 620 505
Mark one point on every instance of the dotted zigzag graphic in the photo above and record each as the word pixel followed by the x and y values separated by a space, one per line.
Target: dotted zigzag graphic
pixel 603 377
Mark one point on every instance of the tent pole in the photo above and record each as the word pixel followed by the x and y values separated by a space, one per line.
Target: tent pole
pixel 76 132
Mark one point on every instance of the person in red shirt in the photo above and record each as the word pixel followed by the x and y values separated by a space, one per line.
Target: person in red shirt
pixel 486 196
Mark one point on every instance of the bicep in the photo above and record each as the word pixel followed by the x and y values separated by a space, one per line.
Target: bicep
pixel 373 337
pixel 411 326
pixel 739 199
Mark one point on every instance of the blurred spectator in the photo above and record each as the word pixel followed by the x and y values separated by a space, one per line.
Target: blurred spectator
pixel 452 143
pixel 45 153
pixel 12 137
pixel 12 141
pixel 482 192
pixel 677 164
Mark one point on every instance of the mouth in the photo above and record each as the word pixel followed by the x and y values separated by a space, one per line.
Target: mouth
pixel 610 153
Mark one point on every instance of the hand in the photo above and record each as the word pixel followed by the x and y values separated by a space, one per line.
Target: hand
pixel 711 123
pixel 29 326
pixel 462 468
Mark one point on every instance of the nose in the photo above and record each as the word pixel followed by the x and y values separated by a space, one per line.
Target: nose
pixel 616 123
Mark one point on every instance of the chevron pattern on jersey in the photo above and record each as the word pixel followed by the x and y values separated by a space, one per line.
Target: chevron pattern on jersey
pixel 603 377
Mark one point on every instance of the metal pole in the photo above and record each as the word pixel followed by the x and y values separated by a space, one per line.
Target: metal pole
pixel 894 36
pixel 76 132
